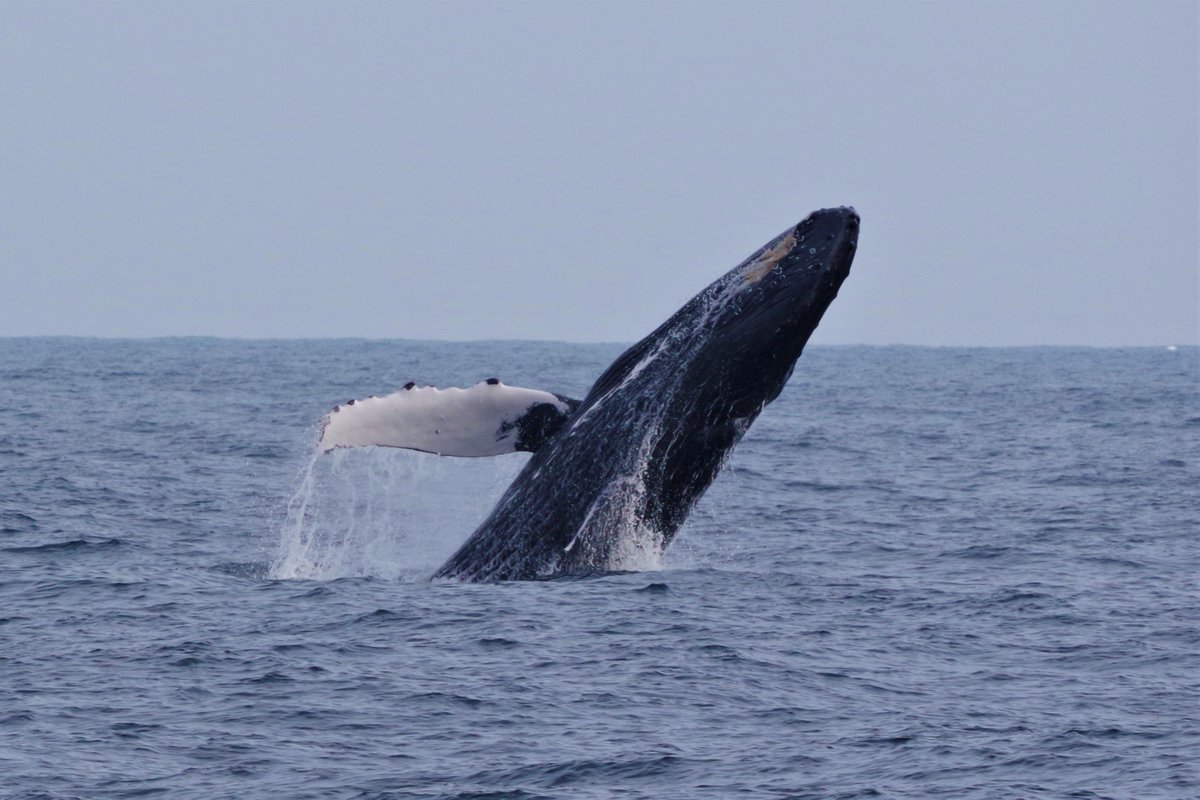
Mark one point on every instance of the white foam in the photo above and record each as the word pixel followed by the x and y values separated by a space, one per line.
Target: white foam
pixel 639 549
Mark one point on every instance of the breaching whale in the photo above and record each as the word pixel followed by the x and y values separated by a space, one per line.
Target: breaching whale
pixel 628 462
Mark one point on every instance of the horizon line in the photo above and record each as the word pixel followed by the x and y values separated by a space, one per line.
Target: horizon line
pixel 501 340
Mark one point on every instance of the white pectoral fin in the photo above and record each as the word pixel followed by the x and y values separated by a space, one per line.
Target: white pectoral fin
pixel 488 419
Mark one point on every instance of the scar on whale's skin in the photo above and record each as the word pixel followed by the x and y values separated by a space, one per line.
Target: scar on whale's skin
pixel 767 261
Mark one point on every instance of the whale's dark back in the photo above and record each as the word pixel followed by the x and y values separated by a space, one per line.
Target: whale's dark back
pixel 612 487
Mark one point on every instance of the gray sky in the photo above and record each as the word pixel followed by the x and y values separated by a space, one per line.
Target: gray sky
pixel 1027 172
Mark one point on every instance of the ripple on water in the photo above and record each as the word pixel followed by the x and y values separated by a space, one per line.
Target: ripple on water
pixel 960 573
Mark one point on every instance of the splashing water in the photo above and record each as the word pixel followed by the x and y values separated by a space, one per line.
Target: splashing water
pixel 616 518
pixel 400 514
pixel 386 513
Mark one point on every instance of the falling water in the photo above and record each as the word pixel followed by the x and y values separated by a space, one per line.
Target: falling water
pixel 385 513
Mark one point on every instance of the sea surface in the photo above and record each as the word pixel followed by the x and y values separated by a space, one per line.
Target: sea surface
pixel 925 573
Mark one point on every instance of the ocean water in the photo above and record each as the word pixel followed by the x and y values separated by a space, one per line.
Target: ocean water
pixel 960 573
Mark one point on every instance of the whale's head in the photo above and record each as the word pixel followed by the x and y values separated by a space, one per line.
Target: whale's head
pixel 731 348
pixel 693 386
pixel 765 309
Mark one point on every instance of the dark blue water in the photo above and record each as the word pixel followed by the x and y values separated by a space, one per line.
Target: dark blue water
pixel 953 573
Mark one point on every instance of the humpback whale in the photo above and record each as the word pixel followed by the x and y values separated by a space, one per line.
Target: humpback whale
pixel 628 461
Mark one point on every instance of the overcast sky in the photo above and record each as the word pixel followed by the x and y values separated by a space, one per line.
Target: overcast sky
pixel 1027 172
